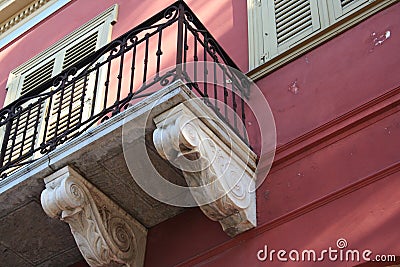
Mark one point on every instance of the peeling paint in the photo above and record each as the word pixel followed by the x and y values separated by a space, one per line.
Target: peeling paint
pixel 379 39
pixel 387 129
pixel 293 88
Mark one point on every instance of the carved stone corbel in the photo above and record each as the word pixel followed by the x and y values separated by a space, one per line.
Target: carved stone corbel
pixel 104 233
pixel 218 170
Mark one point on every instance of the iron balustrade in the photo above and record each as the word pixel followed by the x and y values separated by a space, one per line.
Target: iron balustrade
pixel 109 80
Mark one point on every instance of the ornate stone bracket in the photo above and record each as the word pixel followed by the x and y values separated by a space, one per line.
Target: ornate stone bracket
pixel 217 166
pixel 105 234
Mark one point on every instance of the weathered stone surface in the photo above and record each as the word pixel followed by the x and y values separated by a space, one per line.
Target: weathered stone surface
pixel 10 258
pixel 33 236
pixel 65 258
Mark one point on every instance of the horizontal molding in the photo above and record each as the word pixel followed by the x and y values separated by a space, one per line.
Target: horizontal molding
pixel 22 15
pixel 318 39
pixel 336 129
pixel 26 23
pixel 230 244
pixel 348 123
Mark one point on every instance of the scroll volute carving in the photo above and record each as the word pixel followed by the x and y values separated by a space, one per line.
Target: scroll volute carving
pixel 219 175
pixel 104 233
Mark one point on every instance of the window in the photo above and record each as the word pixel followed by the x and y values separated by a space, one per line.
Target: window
pixel 279 27
pixel 66 52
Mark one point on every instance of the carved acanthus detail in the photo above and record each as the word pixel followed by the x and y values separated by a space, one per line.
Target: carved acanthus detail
pixel 220 175
pixel 105 234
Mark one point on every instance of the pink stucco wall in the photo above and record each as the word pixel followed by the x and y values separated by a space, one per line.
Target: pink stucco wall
pixel 336 166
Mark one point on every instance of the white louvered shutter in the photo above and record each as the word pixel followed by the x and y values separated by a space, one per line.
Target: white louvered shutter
pixel 21 140
pixel 31 80
pixel 343 8
pixel 63 114
pixel 287 22
pixel 27 131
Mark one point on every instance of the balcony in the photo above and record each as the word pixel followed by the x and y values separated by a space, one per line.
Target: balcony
pixel 78 126
pixel 108 81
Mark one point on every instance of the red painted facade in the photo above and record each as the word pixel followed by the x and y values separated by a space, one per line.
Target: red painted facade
pixel 337 167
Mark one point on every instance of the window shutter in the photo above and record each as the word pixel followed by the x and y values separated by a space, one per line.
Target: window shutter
pixel 294 20
pixel 80 50
pixel 25 129
pixel 34 78
pixel 345 7
pixel 276 26
pixel 20 143
pixel 21 140
pixel 66 111
pixel 69 108
pixel 286 22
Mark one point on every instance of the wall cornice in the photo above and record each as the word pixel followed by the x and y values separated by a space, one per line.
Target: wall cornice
pixel 16 18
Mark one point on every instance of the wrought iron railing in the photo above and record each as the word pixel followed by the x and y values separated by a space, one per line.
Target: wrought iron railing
pixel 107 81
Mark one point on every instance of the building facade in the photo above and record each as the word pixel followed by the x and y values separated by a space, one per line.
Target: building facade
pixel 296 153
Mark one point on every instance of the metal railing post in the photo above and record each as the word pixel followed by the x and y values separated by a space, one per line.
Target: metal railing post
pixel 179 45
pixel 6 137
